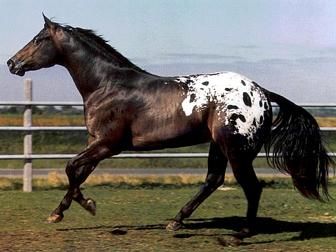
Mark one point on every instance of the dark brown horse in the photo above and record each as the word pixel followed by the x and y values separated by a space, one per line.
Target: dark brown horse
pixel 127 108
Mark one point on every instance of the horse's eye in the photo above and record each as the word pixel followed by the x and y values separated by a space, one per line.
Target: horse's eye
pixel 37 40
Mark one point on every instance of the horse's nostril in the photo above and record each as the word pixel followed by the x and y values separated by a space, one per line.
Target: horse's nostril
pixel 10 63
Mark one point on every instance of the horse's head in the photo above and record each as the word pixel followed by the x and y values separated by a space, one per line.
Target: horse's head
pixel 40 52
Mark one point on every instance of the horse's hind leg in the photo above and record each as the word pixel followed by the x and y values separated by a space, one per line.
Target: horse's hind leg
pixel 216 170
pixel 246 177
pixel 77 170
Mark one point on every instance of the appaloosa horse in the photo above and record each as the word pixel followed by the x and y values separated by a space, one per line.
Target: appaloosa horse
pixel 127 108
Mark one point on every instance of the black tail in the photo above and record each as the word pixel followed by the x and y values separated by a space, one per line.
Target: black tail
pixel 298 148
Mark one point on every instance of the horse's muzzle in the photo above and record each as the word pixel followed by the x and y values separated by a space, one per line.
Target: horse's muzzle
pixel 15 68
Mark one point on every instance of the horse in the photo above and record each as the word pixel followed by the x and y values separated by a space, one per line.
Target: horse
pixel 128 108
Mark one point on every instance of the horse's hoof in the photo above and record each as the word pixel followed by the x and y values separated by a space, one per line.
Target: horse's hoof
pixel 244 233
pixel 91 206
pixel 174 225
pixel 55 218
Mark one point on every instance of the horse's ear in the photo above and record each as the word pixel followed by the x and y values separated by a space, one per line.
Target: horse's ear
pixel 47 22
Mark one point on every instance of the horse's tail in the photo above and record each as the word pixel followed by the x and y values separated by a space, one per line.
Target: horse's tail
pixel 297 147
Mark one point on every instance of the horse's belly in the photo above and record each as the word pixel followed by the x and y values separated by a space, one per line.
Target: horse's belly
pixel 171 136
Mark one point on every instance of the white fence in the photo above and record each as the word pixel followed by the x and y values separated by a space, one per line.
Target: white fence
pixel 28 128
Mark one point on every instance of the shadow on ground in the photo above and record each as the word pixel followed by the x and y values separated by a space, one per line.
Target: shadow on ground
pixel 305 230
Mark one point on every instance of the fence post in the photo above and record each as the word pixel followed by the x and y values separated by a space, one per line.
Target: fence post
pixel 27 142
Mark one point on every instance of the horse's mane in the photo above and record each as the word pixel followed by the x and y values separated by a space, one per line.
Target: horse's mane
pixel 99 45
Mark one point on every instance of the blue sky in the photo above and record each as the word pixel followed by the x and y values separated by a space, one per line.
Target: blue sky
pixel 287 46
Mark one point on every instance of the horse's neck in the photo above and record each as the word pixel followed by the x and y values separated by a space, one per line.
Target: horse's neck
pixel 89 75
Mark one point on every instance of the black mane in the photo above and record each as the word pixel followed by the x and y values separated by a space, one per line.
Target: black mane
pixel 99 45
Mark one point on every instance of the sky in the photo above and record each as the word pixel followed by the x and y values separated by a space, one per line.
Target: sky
pixel 287 46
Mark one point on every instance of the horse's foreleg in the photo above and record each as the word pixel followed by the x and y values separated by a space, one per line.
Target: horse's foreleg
pixel 216 169
pixel 77 170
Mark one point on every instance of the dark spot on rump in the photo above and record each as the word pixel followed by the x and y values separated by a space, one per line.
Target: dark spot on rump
pixel 255 83
pixel 254 122
pixel 205 83
pixel 228 89
pixel 260 103
pixel 189 81
pixel 265 105
pixel 222 96
pixel 261 119
pixel 242 118
pixel 251 93
pixel 234 117
pixel 243 82
pixel 247 99
pixel 232 107
pixel 192 97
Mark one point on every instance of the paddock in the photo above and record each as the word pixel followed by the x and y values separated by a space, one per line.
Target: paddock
pixel 134 218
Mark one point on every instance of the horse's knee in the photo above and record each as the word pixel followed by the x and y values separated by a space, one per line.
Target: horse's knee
pixel 215 180
pixel 220 181
pixel 69 169
pixel 73 171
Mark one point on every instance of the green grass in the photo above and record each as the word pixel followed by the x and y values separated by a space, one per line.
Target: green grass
pixel 287 221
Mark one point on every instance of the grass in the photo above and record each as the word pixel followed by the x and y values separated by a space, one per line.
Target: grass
pixel 288 222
